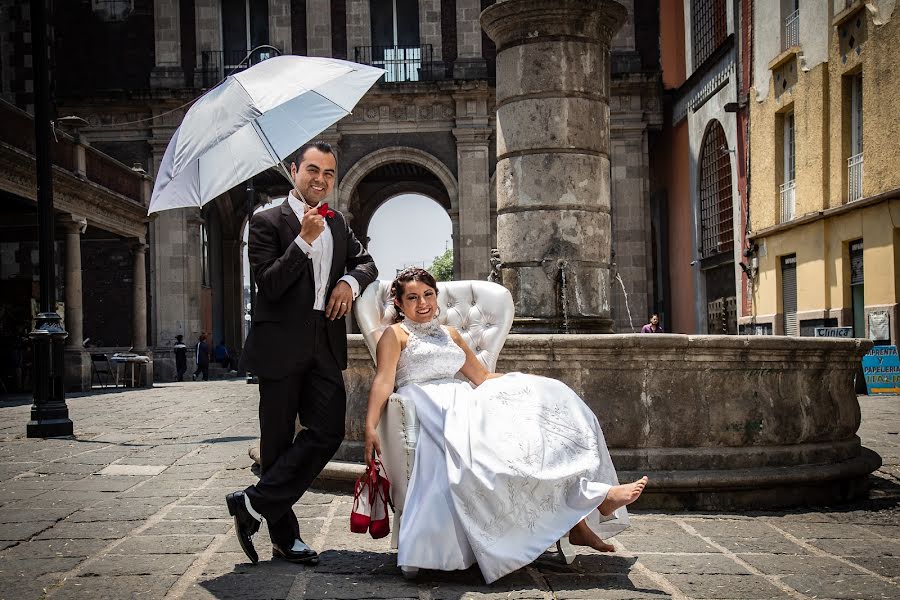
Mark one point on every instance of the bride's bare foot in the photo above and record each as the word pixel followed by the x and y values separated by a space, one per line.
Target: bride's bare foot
pixel 622 495
pixel 582 535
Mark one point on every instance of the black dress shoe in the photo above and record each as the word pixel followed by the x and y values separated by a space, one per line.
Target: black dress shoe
pixel 303 557
pixel 244 524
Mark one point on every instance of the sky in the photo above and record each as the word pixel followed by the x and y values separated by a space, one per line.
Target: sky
pixel 409 229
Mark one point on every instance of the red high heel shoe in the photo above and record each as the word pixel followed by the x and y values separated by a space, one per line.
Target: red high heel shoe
pixel 380 524
pixel 363 498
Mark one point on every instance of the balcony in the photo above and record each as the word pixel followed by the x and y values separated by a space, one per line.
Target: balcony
pixel 788 201
pixel 791 36
pixel 401 63
pixel 215 65
pixel 855 177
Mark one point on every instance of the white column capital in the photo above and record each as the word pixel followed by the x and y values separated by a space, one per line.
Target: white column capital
pixel 75 224
pixel 472 136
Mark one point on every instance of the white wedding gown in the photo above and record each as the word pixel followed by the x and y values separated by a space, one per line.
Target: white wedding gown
pixel 501 471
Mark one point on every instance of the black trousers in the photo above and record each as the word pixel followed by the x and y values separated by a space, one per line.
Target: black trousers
pixel 288 464
pixel 202 369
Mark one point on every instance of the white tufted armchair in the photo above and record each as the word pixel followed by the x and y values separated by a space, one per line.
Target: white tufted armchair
pixel 481 311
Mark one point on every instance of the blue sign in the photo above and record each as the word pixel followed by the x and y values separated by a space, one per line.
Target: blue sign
pixel 881 367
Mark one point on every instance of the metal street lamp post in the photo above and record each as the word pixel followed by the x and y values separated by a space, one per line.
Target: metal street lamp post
pixel 49 413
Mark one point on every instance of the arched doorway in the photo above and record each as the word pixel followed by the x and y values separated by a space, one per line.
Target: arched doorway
pixel 717 231
pixel 408 230
pixel 392 172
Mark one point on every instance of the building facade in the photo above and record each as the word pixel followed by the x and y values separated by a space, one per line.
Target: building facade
pixel 825 199
pixel 132 67
pixel 100 234
pixel 699 183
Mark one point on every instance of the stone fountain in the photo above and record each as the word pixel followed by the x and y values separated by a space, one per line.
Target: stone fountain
pixel 717 422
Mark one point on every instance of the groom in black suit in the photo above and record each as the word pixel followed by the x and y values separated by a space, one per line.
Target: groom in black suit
pixel 297 345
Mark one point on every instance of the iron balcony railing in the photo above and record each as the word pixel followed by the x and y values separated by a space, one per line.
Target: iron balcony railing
pixel 216 64
pixel 855 177
pixel 788 201
pixel 400 63
pixel 792 30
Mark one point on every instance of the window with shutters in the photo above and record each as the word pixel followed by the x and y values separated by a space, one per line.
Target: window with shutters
pixel 716 212
pixel 788 187
pixel 245 25
pixel 396 46
pixel 709 28
pixel 789 294
pixel 855 161
pixel 857 289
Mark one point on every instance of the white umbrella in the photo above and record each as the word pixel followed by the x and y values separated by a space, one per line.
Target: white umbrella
pixel 253 121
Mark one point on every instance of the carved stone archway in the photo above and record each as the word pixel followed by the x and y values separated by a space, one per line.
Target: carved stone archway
pixel 390 172
pixel 396 154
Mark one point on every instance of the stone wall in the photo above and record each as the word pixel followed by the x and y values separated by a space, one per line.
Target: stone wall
pixel 717 422
pixel 355 147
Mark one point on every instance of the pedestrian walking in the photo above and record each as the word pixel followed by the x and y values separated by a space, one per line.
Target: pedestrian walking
pixel 202 359
pixel 180 357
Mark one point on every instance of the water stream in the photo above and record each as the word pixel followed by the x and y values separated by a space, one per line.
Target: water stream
pixel 627 308
pixel 563 295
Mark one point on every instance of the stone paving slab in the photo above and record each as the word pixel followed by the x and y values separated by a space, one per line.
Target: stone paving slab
pixel 133 507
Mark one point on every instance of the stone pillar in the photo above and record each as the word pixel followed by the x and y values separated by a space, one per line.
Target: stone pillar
pixel 469 63
pixel 167 73
pixel 232 292
pixel 208 22
pixel 280 25
pixel 553 186
pixel 454 236
pixel 73 226
pixel 430 27
pixel 318 27
pixel 473 134
pixel 139 312
pixel 359 27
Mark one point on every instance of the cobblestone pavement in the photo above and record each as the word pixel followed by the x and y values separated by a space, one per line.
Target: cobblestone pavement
pixel 134 507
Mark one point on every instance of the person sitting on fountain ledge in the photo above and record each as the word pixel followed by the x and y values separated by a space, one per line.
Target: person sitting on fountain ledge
pixel 653 326
pixel 502 470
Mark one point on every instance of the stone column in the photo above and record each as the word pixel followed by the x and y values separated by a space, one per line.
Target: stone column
pixel 469 63
pixel 208 23
pixel 430 27
pixel 73 226
pixel 474 202
pixel 139 311
pixel 280 25
pixel 167 72
pixel 359 27
pixel 318 27
pixel 553 187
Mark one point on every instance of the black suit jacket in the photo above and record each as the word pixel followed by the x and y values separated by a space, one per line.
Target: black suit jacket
pixel 280 333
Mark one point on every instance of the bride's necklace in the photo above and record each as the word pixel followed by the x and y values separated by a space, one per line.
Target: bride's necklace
pixel 432 327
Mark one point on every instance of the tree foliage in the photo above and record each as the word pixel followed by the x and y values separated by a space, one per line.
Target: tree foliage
pixel 442 266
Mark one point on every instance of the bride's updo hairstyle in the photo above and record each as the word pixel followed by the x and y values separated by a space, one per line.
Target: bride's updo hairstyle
pixel 404 277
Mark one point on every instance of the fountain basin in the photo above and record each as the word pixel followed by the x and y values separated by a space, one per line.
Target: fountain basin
pixel 717 422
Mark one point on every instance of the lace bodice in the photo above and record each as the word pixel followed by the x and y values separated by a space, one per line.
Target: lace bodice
pixel 430 354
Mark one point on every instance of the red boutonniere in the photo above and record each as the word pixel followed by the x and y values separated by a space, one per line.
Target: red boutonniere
pixel 325 211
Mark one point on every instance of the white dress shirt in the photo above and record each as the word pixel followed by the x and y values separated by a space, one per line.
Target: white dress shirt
pixel 320 253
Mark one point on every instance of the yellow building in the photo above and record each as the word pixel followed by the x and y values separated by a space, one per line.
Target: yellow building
pixel 825 168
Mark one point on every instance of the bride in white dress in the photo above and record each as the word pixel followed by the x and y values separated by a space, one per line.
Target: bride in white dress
pixel 502 470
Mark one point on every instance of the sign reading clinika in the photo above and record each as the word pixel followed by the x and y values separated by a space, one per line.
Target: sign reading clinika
pixel 834 332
